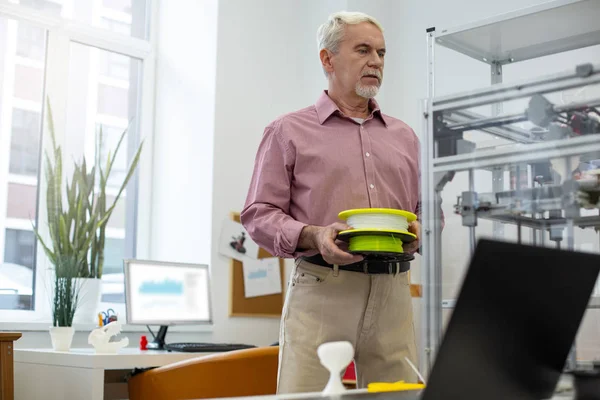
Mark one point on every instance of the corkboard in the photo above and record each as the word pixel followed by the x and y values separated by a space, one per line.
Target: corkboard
pixel 416 290
pixel 263 306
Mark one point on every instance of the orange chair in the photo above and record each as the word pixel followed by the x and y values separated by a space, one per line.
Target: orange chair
pixel 247 372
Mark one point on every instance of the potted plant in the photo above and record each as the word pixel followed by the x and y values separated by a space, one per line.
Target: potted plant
pixel 76 222
pixel 65 299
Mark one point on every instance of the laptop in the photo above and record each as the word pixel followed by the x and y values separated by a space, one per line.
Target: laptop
pixel 514 323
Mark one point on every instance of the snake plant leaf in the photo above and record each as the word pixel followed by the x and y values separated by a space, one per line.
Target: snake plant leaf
pixel 83 172
pixel 51 124
pixel 50 206
pixel 112 160
pixel 56 196
pixel 51 255
pixel 130 173
pixel 79 206
pixel 101 240
pixel 64 237
pixel 70 202
pixel 91 184
pixel 107 168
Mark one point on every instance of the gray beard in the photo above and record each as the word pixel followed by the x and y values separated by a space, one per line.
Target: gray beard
pixel 366 91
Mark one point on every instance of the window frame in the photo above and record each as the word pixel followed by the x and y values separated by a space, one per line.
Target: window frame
pixel 60 33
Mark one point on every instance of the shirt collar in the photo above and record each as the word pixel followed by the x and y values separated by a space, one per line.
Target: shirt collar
pixel 325 107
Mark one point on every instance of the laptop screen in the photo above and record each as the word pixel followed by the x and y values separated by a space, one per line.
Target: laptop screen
pixel 515 320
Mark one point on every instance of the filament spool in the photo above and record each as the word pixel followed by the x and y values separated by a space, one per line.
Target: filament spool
pixel 378 221
pixel 377 230
pixel 375 243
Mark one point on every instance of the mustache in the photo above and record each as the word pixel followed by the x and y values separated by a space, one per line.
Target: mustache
pixel 373 72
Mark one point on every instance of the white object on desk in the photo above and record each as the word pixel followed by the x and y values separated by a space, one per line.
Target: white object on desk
pixel 83 374
pixel 100 338
pixel 335 356
pixel 61 337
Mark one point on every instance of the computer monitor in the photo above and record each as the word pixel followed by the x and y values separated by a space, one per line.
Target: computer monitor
pixel 166 294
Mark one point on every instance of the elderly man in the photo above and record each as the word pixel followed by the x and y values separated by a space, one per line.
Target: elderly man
pixel 340 153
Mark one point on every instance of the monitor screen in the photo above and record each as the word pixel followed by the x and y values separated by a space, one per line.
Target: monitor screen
pixel 161 293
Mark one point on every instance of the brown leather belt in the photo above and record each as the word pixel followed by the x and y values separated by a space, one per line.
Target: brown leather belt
pixel 364 266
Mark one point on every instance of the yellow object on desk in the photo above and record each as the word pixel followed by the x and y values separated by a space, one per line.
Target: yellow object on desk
pixel 393 387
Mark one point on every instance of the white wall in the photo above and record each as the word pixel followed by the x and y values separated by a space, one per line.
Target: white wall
pixel 184 131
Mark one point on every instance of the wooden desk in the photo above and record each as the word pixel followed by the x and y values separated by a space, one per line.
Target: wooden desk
pixel 83 374
pixel 7 382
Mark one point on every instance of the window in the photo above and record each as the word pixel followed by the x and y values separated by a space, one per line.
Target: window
pixel 16 273
pixel 92 82
pixel 19 249
pixel 105 104
pixel 21 78
pixel 114 65
pixel 29 80
pixel 116 26
pixel 52 7
pixel 21 203
pixel 127 17
pixel 118 5
pixel 113 101
pixel 25 143
pixel 113 278
pixel 31 42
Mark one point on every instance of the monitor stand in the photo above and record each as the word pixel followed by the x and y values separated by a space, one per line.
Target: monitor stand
pixel 159 340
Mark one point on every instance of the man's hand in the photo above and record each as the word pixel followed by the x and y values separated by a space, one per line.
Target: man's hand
pixel 323 238
pixel 414 227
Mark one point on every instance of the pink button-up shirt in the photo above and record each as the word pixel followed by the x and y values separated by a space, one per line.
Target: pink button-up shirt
pixel 316 162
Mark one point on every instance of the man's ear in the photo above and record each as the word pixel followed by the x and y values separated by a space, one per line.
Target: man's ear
pixel 325 56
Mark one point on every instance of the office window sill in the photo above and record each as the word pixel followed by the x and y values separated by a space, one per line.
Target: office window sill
pixel 44 327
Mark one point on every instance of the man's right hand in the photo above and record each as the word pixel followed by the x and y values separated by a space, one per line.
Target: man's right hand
pixel 322 238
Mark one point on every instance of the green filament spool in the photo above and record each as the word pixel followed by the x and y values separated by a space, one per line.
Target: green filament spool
pixel 379 243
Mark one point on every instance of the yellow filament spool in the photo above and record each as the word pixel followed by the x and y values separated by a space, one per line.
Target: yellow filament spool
pixel 377 230
pixel 379 243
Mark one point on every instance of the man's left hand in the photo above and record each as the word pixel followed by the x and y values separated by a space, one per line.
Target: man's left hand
pixel 413 227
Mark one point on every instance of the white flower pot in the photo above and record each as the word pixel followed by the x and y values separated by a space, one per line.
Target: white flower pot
pixel 89 300
pixel 62 337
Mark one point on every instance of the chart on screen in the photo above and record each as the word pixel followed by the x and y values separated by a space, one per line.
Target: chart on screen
pixel 180 294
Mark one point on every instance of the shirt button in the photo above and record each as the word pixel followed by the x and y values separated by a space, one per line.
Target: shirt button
pixel 372 186
pixel 368 154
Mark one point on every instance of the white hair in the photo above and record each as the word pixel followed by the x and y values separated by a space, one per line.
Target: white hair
pixel 330 34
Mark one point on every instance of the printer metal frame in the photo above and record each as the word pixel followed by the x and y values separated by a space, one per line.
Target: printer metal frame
pixel 452 113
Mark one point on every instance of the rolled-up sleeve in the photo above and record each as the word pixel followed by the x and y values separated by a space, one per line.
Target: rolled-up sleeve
pixel 266 211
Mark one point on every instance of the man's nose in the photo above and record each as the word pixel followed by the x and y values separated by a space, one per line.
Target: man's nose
pixel 376 61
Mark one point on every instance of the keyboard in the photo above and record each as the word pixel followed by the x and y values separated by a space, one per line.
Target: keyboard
pixel 206 347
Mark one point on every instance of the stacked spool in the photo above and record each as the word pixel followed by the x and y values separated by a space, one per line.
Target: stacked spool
pixel 377 230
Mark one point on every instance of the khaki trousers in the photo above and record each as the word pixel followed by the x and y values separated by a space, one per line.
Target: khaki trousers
pixel 373 312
